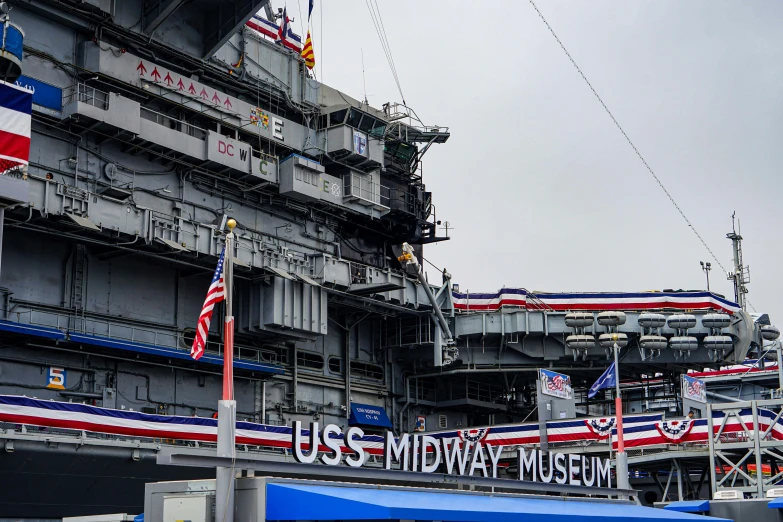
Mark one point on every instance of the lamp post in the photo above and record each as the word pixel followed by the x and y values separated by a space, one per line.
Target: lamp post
pixel 706 267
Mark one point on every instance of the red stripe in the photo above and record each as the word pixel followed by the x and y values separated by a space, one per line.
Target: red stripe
pixel 14 145
pixel 261 29
pixel 596 306
pixel 733 371
pixel 154 434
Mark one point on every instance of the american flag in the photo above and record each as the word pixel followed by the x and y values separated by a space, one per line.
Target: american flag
pixel 215 294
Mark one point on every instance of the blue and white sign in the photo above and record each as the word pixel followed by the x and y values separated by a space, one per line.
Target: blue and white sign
pixel 369 415
pixel 359 143
pixel 55 379
pixel 694 389
pixel 44 94
pixel 555 384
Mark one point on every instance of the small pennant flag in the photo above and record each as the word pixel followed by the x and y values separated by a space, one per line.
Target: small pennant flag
pixel 307 52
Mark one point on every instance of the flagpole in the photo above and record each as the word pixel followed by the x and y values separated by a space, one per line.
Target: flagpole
pixel 227 407
pixel 621 459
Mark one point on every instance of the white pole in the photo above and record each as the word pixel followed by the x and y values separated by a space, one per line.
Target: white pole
pixel 227 408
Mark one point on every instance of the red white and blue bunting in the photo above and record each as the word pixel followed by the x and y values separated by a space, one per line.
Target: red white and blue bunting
pixel 638 430
pixel 591 301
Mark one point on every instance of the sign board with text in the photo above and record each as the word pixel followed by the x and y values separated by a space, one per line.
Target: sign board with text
pixel 228 151
pixel 555 384
pixel 427 454
pixel 694 389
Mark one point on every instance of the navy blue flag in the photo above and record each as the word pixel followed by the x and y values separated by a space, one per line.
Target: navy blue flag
pixel 310 10
pixel 606 380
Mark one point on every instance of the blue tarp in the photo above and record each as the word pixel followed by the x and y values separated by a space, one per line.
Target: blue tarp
pixel 689 506
pixel 776 504
pixel 368 415
pixel 315 502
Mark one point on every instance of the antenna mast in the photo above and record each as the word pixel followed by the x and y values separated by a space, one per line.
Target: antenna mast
pixel 741 274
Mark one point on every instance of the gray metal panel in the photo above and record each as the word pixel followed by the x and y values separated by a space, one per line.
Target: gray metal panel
pixel 301 179
pixel 294 305
pixel 84 222
pixel 172 244
pixel 13 191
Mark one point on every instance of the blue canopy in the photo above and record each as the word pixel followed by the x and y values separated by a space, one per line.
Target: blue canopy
pixel 776 504
pixel 689 506
pixel 315 502
pixel 368 415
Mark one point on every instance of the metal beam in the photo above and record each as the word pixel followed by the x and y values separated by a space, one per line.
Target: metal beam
pixel 158 12
pixel 226 19
pixel 173 457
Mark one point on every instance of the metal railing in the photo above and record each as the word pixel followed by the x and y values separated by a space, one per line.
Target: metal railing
pixel 363 188
pixel 85 94
pixel 173 123
pixel 171 339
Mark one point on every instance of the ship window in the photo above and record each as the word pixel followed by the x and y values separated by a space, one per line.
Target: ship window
pixel 336 365
pixel 354 118
pixel 367 370
pixel 310 360
pixel 367 123
pixel 379 129
pixel 322 121
pixel 337 118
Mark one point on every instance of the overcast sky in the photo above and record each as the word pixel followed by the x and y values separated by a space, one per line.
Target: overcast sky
pixel 540 187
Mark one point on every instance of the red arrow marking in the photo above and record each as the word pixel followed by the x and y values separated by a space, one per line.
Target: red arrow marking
pixel 204 94
pixel 168 79
pixel 155 74
pixel 216 98
pixel 227 103
pixel 191 89
pixel 141 68
pixel 180 85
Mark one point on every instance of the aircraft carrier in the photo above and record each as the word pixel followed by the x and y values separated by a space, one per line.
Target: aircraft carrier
pixel 155 121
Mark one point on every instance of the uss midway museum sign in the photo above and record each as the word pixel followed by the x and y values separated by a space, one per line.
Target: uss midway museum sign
pixel 427 454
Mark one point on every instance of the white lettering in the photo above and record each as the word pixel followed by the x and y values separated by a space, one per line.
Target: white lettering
pixel 478 454
pixel 296 443
pixel 351 444
pixel 426 441
pixel 277 129
pixel 527 463
pixel 551 467
pixel 332 444
pixel 453 453
pixel 585 461
pixel 561 469
pixel 602 469
pixel 494 458
pixel 573 469
pixel 415 454
pixel 397 450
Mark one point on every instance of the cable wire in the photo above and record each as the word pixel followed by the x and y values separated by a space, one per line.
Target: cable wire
pixel 378 23
pixel 388 46
pixel 627 138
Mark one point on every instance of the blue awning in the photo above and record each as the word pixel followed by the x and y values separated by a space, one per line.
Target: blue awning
pixel 315 502
pixel 689 506
pixel 368 415
pixel 776 503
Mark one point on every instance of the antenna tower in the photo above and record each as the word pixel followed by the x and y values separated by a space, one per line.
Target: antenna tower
pixel 741 274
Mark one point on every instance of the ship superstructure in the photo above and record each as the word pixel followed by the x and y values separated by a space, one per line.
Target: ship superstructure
pixel 155 122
